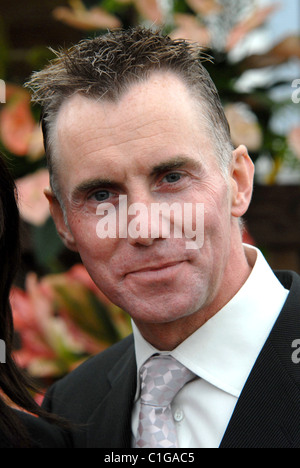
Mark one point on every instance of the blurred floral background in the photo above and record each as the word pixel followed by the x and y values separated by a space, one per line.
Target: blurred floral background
pixel 60 316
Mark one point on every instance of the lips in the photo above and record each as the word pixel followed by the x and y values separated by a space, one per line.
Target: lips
pixel 166 271
pixel 155 267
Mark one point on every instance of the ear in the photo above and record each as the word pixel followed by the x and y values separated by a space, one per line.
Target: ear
pixel 59 220
pixel 242 175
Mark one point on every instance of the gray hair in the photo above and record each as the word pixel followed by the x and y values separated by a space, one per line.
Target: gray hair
pixel 106 66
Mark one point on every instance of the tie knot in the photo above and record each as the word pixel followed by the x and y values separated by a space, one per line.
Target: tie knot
pixel 162 377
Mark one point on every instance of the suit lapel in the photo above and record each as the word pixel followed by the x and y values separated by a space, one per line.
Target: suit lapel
pixel 266 408
pixel 267 414
pixel 110 425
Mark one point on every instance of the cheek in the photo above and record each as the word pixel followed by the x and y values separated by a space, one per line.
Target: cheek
pixel 217 212
pixel 93 250
pixel 84 232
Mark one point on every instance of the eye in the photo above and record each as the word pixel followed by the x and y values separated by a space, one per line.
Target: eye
pixel 101 195
pixel 173 177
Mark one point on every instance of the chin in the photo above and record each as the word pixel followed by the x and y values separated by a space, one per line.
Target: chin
pixel 160 312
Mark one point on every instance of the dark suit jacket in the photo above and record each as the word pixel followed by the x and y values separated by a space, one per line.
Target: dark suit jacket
pixel 99 394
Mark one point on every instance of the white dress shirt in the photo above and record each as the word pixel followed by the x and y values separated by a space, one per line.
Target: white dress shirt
pixel 221 353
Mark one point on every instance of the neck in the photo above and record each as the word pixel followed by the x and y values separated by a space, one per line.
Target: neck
pixel 167 336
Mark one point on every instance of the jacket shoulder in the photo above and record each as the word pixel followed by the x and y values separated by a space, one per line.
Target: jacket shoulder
pixel 289 279
pixel 82 389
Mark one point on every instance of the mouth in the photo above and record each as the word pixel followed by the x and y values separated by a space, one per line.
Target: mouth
pixel 156 272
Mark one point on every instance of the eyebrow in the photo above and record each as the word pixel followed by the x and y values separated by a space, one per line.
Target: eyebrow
pixel 176 163
pixel 94 184
pixel 166 166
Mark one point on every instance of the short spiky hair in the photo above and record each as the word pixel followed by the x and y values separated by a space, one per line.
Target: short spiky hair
pixel 106 66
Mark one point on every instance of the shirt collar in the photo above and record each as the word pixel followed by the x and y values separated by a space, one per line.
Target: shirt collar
pixel 224 350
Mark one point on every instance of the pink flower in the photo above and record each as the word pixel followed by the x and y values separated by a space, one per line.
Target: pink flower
pixel 75 291
pixel 150 9
pixel 31 312
pixel 48 345
pixel 78 16
pixel 17 123
pixel 78 273
pixel 61 320
pixel 189 28
pixel 205 7
pixel 33 205
pixel 243 126
pixel 19 132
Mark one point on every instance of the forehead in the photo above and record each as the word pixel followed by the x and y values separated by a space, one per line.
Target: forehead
pixel 159 89
pixel 150 119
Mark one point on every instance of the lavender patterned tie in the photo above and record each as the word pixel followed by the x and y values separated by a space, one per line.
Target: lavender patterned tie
pixel 162 377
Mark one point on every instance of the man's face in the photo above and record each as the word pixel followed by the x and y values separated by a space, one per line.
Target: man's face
pixel 153 147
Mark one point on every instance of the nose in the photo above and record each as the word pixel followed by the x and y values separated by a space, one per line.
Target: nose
pixel 139 224
pixel 141 229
